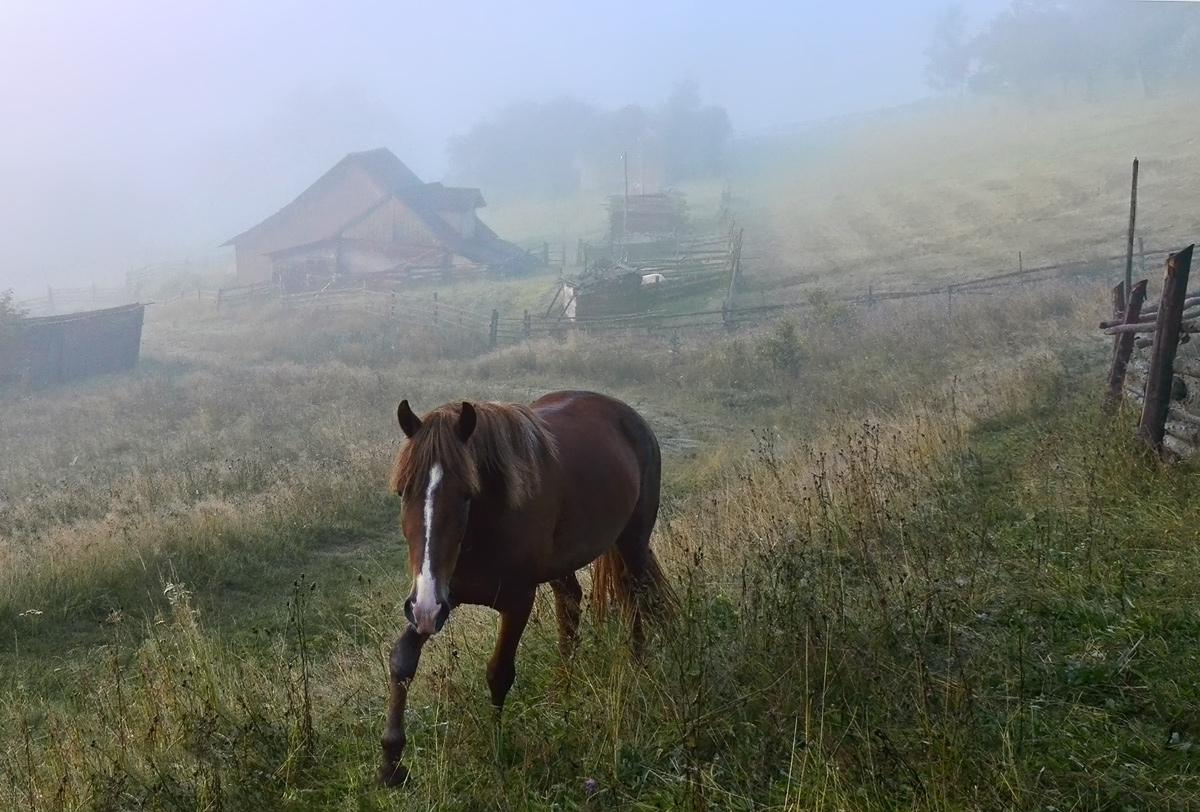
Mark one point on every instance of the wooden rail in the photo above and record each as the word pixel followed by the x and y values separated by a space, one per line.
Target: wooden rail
pixel 1156 383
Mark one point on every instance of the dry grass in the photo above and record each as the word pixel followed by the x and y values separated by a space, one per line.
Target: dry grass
pixel 916 571
pixel 952 194
pixel 936 193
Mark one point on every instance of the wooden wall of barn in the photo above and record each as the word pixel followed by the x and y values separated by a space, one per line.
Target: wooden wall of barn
pixel 308 215
pixel 55 349
pixel 392 222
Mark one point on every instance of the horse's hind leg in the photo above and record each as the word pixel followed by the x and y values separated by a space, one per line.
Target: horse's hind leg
pixel 402 664
pixel 567 597
pixel 634 546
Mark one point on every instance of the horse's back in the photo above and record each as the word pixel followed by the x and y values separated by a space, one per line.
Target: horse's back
pixel 593 424
pixel 609 467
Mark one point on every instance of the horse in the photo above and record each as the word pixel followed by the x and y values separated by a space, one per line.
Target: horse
pixel 497 499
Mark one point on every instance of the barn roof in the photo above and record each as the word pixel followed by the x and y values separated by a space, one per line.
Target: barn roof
pixel 389 177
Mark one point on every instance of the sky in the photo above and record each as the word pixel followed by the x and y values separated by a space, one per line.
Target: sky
pixel 142 131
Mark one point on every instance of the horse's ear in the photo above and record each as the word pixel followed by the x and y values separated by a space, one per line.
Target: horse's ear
pixel 466 421
pixel 409 422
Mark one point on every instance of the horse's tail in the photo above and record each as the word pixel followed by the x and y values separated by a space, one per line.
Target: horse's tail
pixel 613 585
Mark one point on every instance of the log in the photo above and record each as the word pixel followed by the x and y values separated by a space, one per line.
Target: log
pixel 1144 327
pixel 1184 431
pixel 1191 301
pixel 1148 318
pixel 1179 448
pixel 1152 427
pixel 1187 367
pixel 1176 412
pixel 1142 343
pixel 1123 344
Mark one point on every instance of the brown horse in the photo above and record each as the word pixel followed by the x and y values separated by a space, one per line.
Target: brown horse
pixel 497 499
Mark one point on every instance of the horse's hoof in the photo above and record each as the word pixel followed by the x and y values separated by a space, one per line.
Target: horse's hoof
pixel 392 775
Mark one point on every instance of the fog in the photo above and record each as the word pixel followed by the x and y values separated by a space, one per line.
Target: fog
pixel 138 132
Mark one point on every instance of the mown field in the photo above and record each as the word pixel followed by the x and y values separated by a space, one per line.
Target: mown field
pixel 935 193
pixel 917 568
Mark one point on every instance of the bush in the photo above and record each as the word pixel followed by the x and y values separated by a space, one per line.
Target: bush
pixel 10 320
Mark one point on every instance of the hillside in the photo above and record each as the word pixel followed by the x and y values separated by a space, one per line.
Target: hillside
pixel 917 568
pixel 937 192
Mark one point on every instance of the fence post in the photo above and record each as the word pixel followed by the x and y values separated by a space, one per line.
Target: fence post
pixel 735 267
pixel 435 309
pixel 1166 342
pixel 545 252
pixel 1123 342
pixel 494 327
pixel 528 325
pixel 1129 247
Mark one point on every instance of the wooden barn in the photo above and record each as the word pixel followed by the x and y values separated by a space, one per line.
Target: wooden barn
pixel 371 215
pixel 57 349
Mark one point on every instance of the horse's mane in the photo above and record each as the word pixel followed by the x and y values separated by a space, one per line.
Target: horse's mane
pixel 509 441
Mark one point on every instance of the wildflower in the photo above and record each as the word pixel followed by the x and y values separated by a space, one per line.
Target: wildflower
pixel 589 786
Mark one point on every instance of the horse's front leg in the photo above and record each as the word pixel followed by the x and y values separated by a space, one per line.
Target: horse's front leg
pixel 406 653
pixel 502 669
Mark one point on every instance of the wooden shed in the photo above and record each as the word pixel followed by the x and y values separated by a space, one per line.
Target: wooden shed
pixel 369 215
pixel 56 349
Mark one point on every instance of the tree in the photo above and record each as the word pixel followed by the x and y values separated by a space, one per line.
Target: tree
pixel 10 325
pixel 540 148
pixel 692 137
pixel 1051 47
pixel 947 57
pixel 527 147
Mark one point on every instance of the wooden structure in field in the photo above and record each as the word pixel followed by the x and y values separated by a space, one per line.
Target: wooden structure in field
pixel 650 276
pixel 635 220
pixel 1158 380
pixel 650 257
pixel 370 215
pixel 57 349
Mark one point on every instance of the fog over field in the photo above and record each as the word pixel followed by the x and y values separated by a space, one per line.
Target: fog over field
pixel 138 132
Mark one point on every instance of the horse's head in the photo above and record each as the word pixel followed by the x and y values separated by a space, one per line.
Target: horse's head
pixel 436 480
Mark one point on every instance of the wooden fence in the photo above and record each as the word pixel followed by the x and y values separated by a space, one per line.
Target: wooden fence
pixel 551 255
pixel 1145 368
pixel 498 327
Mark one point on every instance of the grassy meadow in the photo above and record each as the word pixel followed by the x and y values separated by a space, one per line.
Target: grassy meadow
pixel 917 567
pixel 934 193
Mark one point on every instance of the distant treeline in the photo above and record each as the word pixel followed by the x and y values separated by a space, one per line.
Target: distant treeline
pixel 1066 47
pixel 550 147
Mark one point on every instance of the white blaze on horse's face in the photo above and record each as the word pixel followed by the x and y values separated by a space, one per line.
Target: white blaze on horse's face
pixel 428 605
pixel 425 603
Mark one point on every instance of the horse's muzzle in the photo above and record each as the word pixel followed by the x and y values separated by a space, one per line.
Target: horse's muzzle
pixel 427 622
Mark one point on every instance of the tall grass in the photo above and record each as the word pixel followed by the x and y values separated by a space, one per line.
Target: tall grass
pixel 915 570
